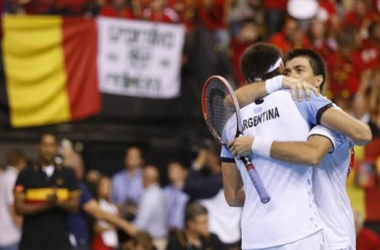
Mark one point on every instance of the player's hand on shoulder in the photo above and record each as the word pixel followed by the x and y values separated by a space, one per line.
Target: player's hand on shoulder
pixel 241 146
pixel 303 87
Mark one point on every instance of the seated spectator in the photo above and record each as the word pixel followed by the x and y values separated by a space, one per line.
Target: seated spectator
pixel 196 235
pixel 176 199
pixel 105 234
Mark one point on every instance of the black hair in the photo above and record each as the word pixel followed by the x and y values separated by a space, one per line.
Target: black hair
pixel 41 137
pixel 257 60
pixel 193 210
pixel 316 62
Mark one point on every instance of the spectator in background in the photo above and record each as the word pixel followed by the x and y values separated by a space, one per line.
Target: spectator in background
pixel 208 189
pixel 365 238
pixel 158 12
pixel 10 226
pixel 248 35
pixel 360 16
pixel 88 205
pixel 120 9
pixel 151 214
pixel 213 16
pixel 320 42
pixel 275 11
pixel 127 185
pixel 291 37
pixel 176 199
pixel 45 194
pixel 196 235
pixel 105 234
pixel 370 47
pixel 142 241
pixel 346 66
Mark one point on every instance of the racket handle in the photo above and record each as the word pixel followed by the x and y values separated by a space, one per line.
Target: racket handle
pixel 255 178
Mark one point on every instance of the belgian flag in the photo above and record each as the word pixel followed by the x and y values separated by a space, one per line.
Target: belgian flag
pixel 50 70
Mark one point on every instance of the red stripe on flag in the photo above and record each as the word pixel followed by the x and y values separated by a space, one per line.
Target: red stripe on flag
pixel 80 49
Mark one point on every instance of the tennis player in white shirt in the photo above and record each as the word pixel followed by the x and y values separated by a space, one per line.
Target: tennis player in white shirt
pixel 326 149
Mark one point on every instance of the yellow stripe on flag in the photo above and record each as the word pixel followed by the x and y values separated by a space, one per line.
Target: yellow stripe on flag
pixel 35 70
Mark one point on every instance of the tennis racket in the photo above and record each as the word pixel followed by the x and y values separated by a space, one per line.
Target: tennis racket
pixel 216 114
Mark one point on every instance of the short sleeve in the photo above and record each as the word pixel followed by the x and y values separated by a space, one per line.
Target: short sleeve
pixel 336 138
pixel 21 183
pixel 227 136
pixel 225 155
pixel 313 109
pixel 72 182
pixel 85 194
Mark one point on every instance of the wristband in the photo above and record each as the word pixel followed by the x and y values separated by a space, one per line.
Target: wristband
pixel 262 146
pixel 273 84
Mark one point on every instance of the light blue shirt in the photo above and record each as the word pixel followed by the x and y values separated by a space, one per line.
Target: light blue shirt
pixel 176 201
pixel 126 187
pixel 151 214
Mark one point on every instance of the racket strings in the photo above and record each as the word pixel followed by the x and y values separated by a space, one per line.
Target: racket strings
pixel 216 93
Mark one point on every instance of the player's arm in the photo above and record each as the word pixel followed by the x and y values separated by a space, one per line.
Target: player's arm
pixel 309 153
pixel 232 182
pixel 320 142
pixel 339 120
pixel 92 208
pixel 232 185
pixel 252 92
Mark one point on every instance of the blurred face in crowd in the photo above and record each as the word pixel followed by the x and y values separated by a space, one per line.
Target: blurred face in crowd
pixel 150 175
pixel 300 68
pixel 360 7
pixel 157 4
pixel 317 29
pixel 104 188
pixel 200 225
pixel 176 172
pixel 249 32
pixel 48 148
pixel 359 106
pixel 291 28
pixel 133 158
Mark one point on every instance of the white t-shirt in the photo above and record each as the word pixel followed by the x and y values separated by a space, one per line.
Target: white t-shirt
pixel 329 188
pixel 109 237
pixel 9 232
pixel 292 213
pixel 224 220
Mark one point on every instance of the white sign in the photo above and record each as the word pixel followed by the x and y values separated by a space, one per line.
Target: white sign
pixel 138 58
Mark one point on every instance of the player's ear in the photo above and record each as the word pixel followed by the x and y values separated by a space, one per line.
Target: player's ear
pixel 319 80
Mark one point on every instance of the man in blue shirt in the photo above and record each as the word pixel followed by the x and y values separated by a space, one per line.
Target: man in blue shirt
pixel 127 185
